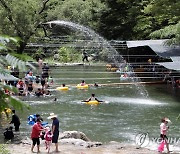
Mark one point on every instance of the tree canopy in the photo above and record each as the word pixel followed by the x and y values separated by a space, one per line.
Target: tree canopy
pixel 113 19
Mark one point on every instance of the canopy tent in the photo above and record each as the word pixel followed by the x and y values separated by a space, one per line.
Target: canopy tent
pixel 160 47
pixel 8 77
pixel 171 65
pixel 175 65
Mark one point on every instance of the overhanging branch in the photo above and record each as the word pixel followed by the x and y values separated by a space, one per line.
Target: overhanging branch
pixel 44 6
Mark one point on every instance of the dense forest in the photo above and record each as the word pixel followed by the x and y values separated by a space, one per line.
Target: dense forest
pixel 113 19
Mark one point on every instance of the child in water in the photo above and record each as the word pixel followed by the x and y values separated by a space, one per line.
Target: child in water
pixel 82 83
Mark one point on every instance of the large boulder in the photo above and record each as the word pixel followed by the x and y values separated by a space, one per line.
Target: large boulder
pixel 77 138
pixel 74 134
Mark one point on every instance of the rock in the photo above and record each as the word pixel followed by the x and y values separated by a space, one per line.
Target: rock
pixel 77 138
pixel 80 142
pixel 26 140
pixel 74 134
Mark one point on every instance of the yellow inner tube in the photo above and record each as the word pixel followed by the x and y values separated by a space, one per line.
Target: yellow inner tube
pixel 114 69
pixel 82 87
pixel 62 88
pixel 92 103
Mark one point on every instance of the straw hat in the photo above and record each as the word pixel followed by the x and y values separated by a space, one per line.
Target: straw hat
pixel 52 115
pixel 167 119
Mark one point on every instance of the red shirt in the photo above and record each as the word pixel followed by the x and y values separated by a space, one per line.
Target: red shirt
pixel 36 129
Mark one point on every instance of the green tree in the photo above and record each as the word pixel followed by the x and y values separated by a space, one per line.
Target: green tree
pixel 159 19
pixel 85 12
pixel 6 100
pixel 21 18
pixel 118 20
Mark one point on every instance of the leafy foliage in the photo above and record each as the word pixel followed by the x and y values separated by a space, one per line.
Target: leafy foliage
pixel 21 18
pixel 159 19
pixel 119 19
pixel 171 31
pixel 85 12
pixel 4 40
pixel 3 149
pixel 6 100
pixel 68 55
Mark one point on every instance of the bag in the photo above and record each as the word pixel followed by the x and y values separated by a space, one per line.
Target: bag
pixel 161 146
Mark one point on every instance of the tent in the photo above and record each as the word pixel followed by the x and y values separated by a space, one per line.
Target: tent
pixel 160 47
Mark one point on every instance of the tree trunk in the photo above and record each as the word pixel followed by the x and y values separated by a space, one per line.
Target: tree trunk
pixel 21 47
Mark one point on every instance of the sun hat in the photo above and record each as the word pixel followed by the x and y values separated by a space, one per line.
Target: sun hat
pixel 52 115
pixel 167 119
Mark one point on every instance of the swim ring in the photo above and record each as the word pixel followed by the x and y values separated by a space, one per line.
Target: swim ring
pixel 32 120
pixel 92 103
pixel 62 88
pixel 82 87
pixel 114 69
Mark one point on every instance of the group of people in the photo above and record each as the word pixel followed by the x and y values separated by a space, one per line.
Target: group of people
pixel 31 84
pixel 47 133
pixel 8 134
pixel 50 134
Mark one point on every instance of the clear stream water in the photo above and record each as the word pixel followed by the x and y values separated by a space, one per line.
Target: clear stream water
pixel 124 114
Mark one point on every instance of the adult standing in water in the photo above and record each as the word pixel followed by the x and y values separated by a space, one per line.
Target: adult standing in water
pixel 55 130
pixel 15 120
pixel 45 71
pixel 40 63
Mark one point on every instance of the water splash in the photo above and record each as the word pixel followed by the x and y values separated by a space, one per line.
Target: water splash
pixel 106 51
pixel 136 101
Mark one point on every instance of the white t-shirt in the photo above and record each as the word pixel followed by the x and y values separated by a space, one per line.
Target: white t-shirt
pixel 163 128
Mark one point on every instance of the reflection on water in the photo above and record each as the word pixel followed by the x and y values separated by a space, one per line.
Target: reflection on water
pixel 121 117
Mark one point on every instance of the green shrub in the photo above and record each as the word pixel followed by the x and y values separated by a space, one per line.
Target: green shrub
pixel 3 149
pixel 23 57
pixel 69 55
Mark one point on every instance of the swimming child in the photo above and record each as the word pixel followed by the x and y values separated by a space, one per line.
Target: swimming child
pixel 82 83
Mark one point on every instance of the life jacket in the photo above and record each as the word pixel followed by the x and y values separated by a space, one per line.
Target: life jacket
pixel 48 136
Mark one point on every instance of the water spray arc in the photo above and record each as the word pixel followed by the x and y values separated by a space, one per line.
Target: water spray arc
pixel 108 53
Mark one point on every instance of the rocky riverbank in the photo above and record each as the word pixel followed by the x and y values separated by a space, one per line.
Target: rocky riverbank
pixel 68 148
pixel 74 142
